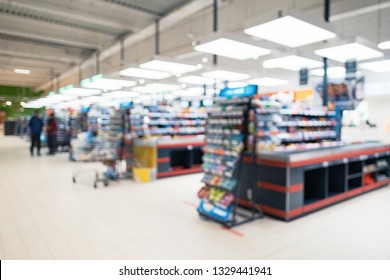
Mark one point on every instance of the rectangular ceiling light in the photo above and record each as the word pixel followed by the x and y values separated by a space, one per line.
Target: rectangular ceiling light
pixel 237 84
pixel 377 66
pixel 22 71
pixel 292 62
pixel 289 28
pixel 349 51
pixel 144 90
pixel 232 49
pixel 226 75
pixel 108 84
pixel 121 94
pixel 162 87
pixel 333 72
pixel 268 82
pixel 196 80
pixel 167 66
pixel 144 73
pixel 82 92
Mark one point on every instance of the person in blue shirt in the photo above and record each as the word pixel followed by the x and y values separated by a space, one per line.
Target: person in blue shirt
pixel 36 127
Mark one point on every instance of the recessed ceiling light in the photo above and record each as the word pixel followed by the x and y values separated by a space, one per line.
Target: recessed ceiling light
pixel 22 71
pixel 384 45
pixel 8 103
pixel 333 72
pixel 226 75
pixel 268 82
pixel 377 66
pixel 168 66
pixel 292 62
pixel 232 49
pixel 289 28
pixel 196 80
pixel 144 73
pixel 345 52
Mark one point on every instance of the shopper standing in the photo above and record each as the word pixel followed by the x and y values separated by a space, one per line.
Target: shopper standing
pixel 51 130
pixel 36 126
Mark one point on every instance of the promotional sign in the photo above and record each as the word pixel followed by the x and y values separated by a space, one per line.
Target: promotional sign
pixel 249 90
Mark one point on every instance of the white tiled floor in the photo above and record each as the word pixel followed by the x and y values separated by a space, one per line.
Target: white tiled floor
pixel 44 216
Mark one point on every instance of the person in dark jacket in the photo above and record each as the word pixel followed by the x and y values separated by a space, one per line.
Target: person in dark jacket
pixel 36 127
pixel 51 130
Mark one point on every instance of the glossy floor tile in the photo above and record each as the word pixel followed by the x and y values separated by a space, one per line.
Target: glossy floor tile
pixel 43 215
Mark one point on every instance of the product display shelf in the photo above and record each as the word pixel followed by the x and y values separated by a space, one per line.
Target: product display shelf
pixel 291 184
pixel 63 131
pixel 310 125
pixel 179 135
pixel 226 135
pixel 161 122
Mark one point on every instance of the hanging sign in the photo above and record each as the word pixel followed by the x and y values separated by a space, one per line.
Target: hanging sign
pixel 303 76
pixel 249 90
pixel 350 69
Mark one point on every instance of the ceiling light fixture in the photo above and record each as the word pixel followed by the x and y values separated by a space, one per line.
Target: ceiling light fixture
pixel 165 65
pixel 196 80
pixel 384 45
pixel 333 72
pixel 356 50
pixel 226 75
pixel 289 27
pixel 268 82
pixel 121 94
pixel 98 82
pixel 381 66
pixel 163 87
pixel 22 71
pixel 144 73
pixel 292 62
pixel 237 84
pixel 81 92
pixel 232 47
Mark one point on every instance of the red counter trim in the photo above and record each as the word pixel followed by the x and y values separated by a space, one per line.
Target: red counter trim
pixel 179 172
pixel 273 211
pixel 247 159
pixel 272 163
pixel 163 160
pixel 280 188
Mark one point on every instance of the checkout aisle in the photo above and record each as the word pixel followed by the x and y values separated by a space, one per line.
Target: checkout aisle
pixel 44 216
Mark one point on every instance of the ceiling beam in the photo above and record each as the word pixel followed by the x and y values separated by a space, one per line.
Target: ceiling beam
pixel 166 22
pixel 135 7
pixel 40 56
pixel 49 39
pixel 53 10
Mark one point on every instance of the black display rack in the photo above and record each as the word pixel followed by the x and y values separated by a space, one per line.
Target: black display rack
pixel 226 138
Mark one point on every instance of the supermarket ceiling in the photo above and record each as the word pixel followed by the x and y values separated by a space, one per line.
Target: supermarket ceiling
pixel 49 37
pixel 53 38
